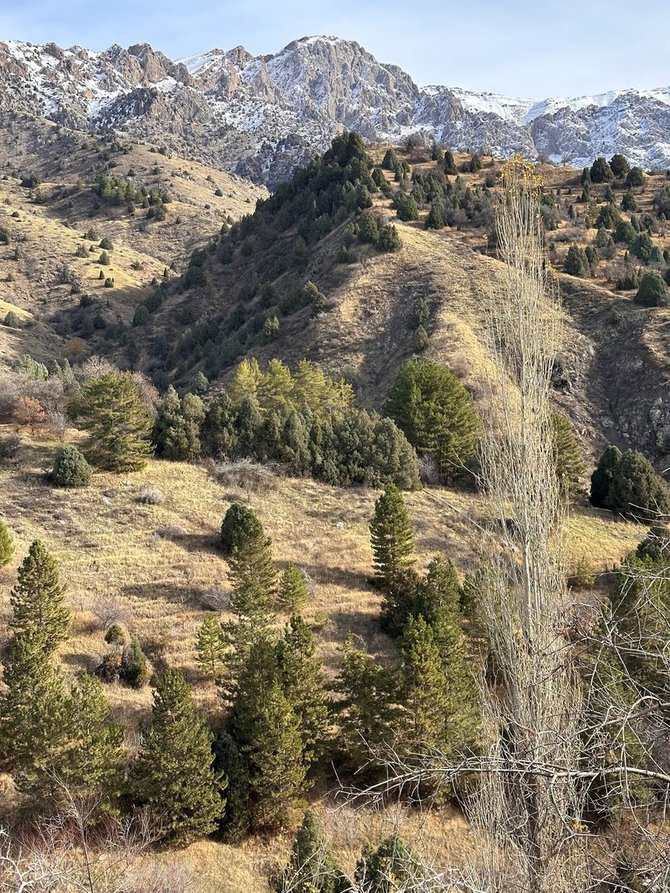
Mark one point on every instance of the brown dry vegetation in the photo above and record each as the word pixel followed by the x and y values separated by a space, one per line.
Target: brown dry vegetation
pixel 111 547
pixel 47 224
pixel 114 550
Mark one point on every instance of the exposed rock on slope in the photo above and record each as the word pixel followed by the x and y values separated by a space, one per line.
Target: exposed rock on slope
pixel 263 115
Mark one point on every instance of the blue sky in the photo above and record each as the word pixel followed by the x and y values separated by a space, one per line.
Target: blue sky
pixel 519 48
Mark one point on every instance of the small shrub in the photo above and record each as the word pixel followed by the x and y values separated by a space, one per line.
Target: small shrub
pixel 134 669
pixel 584 576
pixel 70 469
pixel 215 598
pixel 109 668
pixel 117 635
pixel 652 292
pixel 12 320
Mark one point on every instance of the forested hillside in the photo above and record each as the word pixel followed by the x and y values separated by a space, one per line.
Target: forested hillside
pixel 329 518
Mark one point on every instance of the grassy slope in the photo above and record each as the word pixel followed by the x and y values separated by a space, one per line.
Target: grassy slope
pixel 47 235
pixel 107 541
pixel 108 548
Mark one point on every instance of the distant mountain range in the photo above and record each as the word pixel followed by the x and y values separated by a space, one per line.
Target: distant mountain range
pixel 259 116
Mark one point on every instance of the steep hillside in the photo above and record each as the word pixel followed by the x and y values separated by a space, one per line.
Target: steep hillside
pixel 263 115
pixel 246 296
pixel 55 223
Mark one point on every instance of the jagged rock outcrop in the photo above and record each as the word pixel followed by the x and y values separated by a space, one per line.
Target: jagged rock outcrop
pixel 262 115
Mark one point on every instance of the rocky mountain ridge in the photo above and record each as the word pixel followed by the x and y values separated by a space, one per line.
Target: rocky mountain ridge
pixel 262 115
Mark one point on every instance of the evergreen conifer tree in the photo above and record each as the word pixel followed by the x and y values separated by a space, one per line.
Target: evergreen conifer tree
pixel 652 292
pixel 174 772
pixel 390 867
pixel 602 477
pixel 424 695
pixel 252 571
pixel 169 430
pixel 392 538
pixel 435 218
pixel 570 466
pixel 200 383
pixel 70 468
pixel 637 491
pixel 366 709
pixel 400 600
pixel 193 411
pixel 292 593
pixel 311 867
pixel 436 414
pixel 92 767
pixel 239 526
pixel 268 732
pixel 302 683
pixel 231 765
pixel 439 595
pixel 35 715
pixel 211 646
pixel 576 262
pixel 450 163
pixel 38 599
pixel 6 545
pixel 117 421
pixel 619 165
pixel 276 766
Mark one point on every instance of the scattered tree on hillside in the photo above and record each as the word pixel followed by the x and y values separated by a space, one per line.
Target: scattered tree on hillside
pixel 436 413
pixel 619 165
pixel 601 172
pixel 653 292
pixel 174 774
pixel 392 538
pixel 35 717
pixel 38 599
pixel 113 413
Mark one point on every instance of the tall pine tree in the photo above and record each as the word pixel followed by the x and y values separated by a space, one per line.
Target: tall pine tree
pixel 276 764
pixel 268 732
pixel 392 537
pixel 92 767
pixel 366 708
pixel 35 715
pixel 175 776
pixel 302 682
pixel 38 599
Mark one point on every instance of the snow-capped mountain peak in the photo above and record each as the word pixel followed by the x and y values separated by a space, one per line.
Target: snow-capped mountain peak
pixel 261 115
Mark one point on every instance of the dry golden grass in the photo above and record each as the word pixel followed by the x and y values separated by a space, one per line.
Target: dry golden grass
pixel 110 547
pixel 48 234
pixel 109 550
